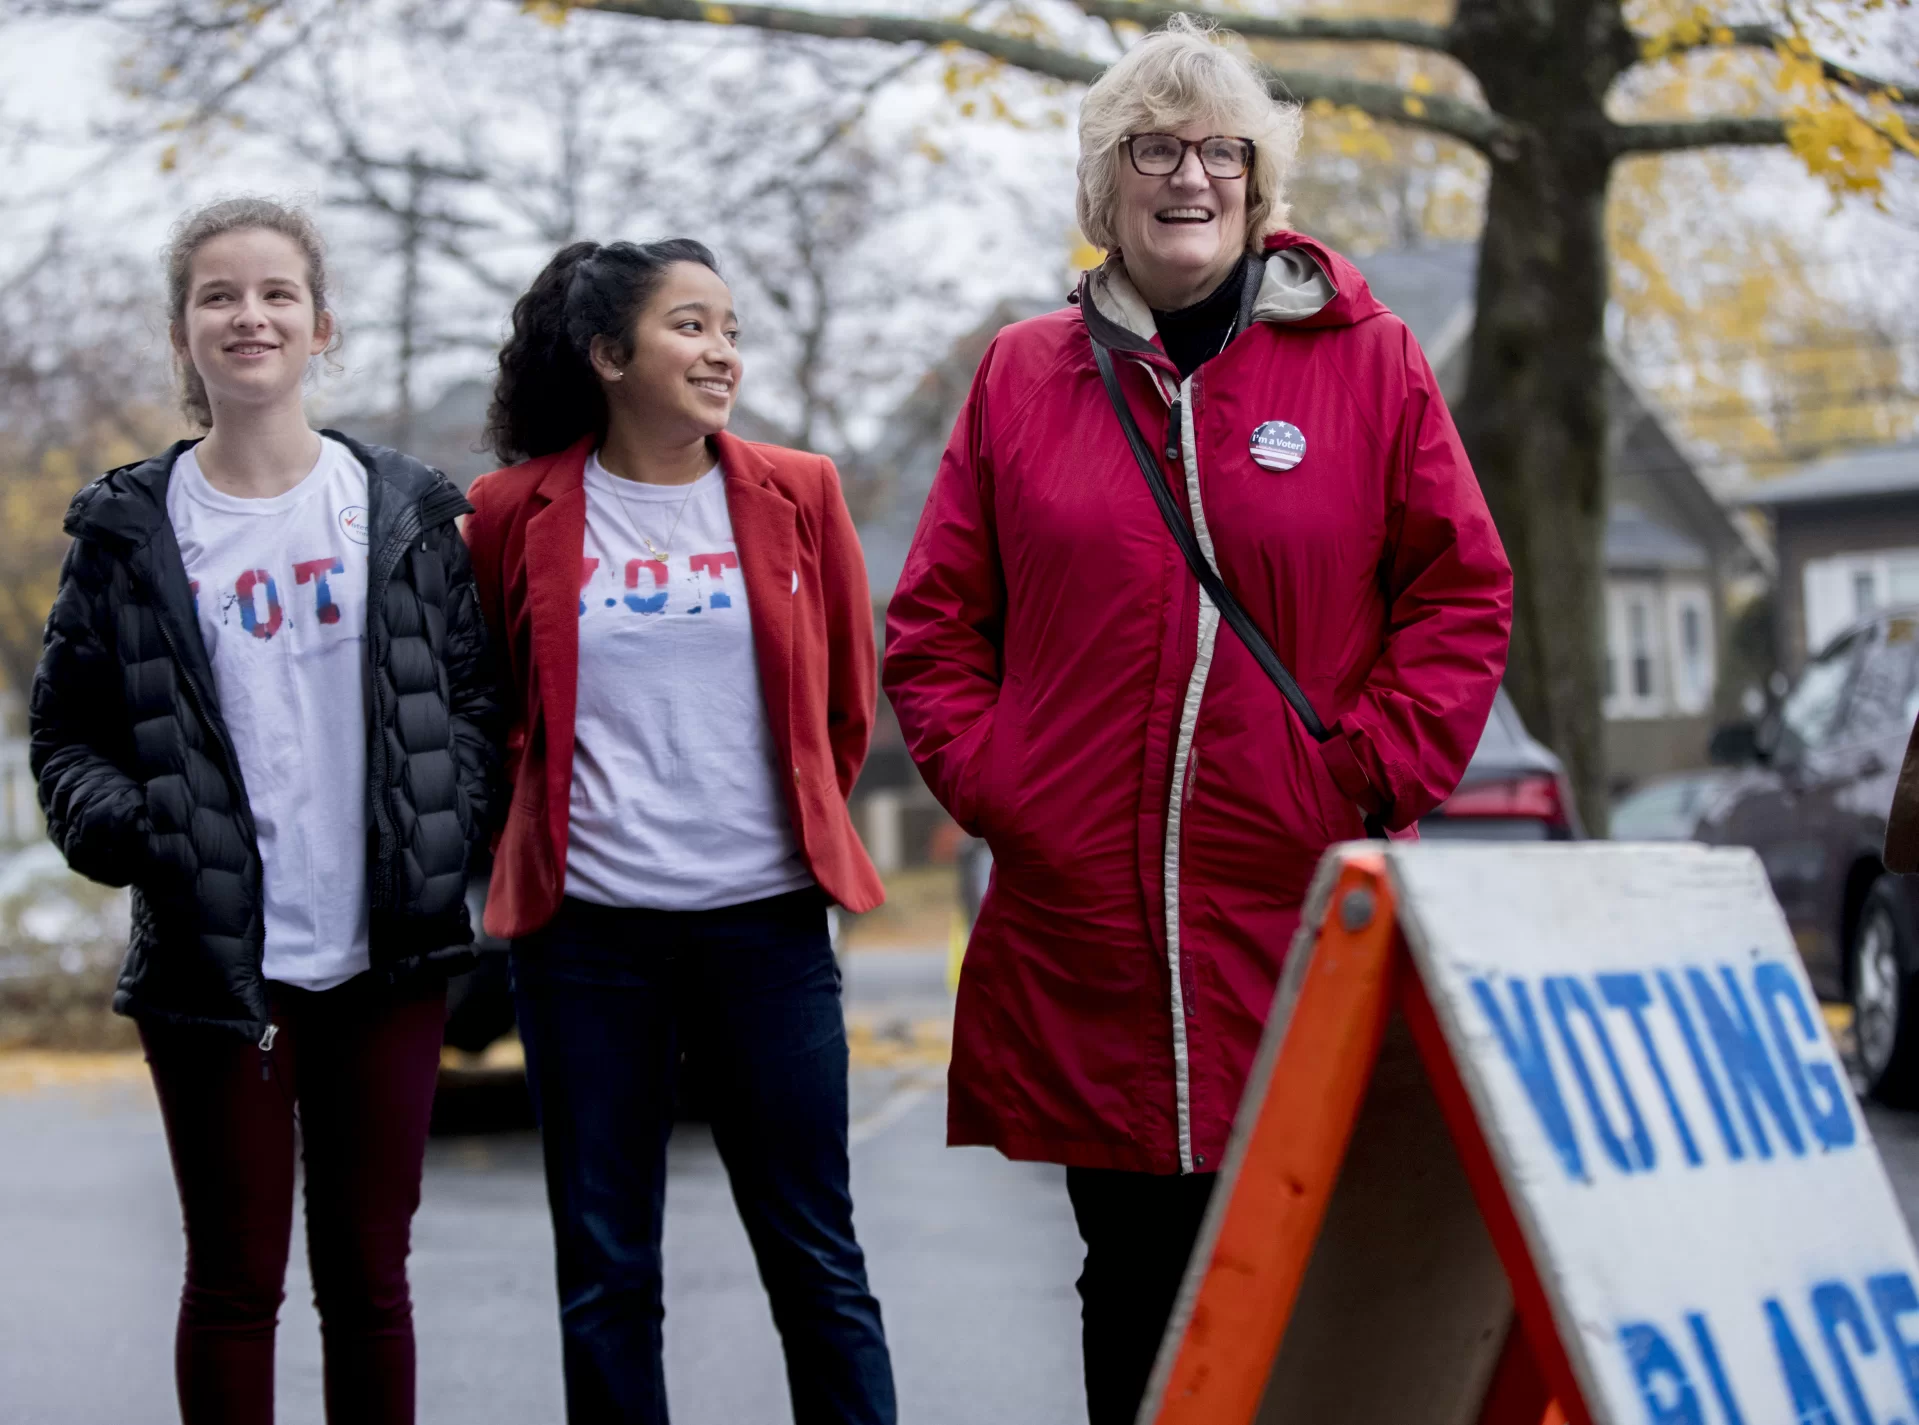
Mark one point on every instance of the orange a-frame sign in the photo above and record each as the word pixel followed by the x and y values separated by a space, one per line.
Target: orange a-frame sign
pixel 1546 1136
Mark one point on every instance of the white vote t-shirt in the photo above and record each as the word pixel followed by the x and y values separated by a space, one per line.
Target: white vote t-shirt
pixel 676 801
pixel 280 590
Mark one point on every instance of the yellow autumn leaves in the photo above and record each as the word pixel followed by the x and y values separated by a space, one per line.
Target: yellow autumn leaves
pixel 1846 136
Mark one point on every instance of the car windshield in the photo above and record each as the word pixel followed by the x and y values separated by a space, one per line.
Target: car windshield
pixel 1807 714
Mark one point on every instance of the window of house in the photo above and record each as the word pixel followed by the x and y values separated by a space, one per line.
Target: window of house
pixel 1693 661
pixel 1843 588
pixel 1639 647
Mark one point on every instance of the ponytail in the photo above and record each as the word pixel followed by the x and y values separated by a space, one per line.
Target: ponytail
pixel 547 395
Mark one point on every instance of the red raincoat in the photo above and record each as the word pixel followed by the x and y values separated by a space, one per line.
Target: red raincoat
pixel 1154 807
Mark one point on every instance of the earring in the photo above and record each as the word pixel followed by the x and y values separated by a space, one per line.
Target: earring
pixel 618 374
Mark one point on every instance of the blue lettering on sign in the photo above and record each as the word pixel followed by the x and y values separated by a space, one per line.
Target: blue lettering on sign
pixel 1526 1052
pixel 1835 1306
pixel 1672 1387
pixel 1629 992
pixel 1743 1053
pixel 1662 1381
pixel 1697 1052
pixel 1564 997
pixel 1893 1297
pixel 1829 1109
pixel 1809 1403
pixel 1709 1353
pixel 1755 1041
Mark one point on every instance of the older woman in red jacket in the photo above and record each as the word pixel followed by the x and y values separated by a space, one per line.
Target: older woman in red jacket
pixel 687 623
pixel 1154 804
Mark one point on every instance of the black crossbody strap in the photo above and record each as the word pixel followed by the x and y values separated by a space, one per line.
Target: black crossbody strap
pixel 1229 607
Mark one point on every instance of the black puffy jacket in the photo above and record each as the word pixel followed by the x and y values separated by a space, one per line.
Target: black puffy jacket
pixel 140 782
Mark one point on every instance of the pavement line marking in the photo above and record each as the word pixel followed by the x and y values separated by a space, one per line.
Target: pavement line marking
pixel 896 1105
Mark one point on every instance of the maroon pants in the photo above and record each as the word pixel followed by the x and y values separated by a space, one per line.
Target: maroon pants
pixel 356 1067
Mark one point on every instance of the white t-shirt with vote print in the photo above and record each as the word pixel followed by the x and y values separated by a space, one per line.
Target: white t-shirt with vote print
pixel 280 589
pixel 677 800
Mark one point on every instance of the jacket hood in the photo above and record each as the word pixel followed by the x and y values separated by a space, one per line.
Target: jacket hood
pixel 1300 282
pixel 126 505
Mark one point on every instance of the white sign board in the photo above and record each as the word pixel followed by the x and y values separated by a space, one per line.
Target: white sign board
pixel 1673 1127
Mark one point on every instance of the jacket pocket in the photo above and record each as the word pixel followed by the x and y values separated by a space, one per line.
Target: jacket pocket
pixel 973 796
pixel 1340 817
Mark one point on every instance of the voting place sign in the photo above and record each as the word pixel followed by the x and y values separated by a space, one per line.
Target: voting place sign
pixel 1674 1131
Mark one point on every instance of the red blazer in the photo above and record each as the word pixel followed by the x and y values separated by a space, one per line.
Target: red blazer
pixel 812 634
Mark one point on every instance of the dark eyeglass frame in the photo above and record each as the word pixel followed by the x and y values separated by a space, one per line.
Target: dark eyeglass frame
pixel 1184 144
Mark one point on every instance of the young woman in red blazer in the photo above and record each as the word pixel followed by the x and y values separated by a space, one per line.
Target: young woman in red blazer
pixel 686 619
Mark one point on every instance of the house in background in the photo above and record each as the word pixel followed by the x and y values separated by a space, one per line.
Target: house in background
pixel 1673 553
pixel 1846 530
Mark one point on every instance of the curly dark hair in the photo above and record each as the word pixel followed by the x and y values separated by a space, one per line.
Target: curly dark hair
pixel 547 395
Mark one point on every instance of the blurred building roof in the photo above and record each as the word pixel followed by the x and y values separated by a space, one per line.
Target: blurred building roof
pixel 1863 474
pixel 1635 542
pixel 1430 289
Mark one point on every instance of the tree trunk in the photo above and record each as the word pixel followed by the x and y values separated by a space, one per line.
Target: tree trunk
pixel 1534 412
pixel 1534 421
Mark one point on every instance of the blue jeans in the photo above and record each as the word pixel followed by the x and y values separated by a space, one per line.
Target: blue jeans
pixel 607 1001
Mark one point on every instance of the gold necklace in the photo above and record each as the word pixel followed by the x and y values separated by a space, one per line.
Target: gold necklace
pixel 658 554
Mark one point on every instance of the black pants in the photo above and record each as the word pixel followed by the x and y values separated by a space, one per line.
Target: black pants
pixel 607 1000
pixel 1139 1230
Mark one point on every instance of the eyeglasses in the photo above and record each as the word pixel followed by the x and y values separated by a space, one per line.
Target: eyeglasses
pixel 1156 155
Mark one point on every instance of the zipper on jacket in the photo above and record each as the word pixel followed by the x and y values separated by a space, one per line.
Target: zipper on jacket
pixel 1172 433
pixel 1184 763
pixel 266 1050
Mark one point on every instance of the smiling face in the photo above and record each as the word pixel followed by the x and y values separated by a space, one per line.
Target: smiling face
pixel 683 372
pixel 1181 234
pixel 248 325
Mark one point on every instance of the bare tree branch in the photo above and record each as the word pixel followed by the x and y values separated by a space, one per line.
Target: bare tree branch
pixel 1455 118
pixel 888 29
pixel 1766 37
pixel 1684 134
pixel 1359 28
pixel 1478 127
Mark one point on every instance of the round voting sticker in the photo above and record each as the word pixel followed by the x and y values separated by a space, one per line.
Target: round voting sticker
pixel 1278 445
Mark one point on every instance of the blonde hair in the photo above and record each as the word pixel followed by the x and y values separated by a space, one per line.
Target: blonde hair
pixel 1176 75
pixel 202 226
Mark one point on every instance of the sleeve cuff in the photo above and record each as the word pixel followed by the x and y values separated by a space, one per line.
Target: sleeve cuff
pixel 1337 753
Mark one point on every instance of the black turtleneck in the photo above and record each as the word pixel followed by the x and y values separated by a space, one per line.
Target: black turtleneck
pixel 1194 335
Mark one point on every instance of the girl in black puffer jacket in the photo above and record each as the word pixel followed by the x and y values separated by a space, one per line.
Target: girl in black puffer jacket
pixel 266 703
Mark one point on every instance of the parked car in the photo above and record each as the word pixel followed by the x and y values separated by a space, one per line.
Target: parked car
pixel 1514 789
pixel 1812 790
pixel 1670 808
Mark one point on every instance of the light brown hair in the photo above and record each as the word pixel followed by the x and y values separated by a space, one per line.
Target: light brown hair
pixel 202 226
